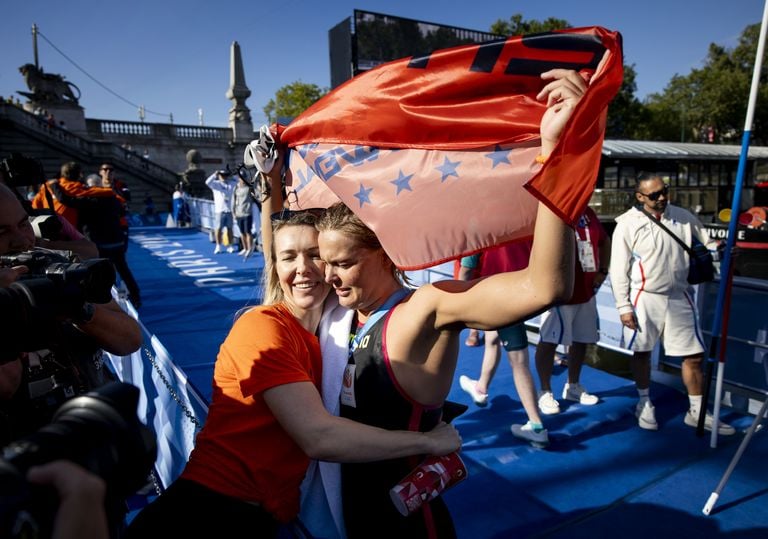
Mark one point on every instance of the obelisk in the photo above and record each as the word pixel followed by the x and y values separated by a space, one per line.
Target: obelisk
pixel 239 115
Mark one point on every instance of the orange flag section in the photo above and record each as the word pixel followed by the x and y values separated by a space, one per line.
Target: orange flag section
pixel 470 96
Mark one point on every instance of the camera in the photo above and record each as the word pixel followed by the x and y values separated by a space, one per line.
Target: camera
pixel 101 432
pixel 54 287
pixel 21 171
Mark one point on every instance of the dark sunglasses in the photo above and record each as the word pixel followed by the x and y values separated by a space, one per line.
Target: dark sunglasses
pixel 107 168
pixel 285 215
pixel 656 194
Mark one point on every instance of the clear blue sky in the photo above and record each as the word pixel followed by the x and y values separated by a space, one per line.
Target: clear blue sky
pixel 172 56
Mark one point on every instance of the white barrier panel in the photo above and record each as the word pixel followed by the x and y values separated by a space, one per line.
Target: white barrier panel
pixel 167 403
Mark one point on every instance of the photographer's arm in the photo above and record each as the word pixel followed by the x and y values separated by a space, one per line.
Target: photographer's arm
pixel 112 328
pixel 11 275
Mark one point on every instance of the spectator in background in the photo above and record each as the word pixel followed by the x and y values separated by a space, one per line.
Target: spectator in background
pixel 222 184
pixel 102 223
pixel 108 179
pixel 180 207
pixel 149 205
pixel 514 339
pixel 97 212
pixel 649 271
pixel 466 270
pixel 574 324
pixel 242 208
pixel 59 194
pixel 93 180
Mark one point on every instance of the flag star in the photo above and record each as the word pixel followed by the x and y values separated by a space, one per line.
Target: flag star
pixel 364 195
pixel 448 168
pixel 402 182
pixel 499 155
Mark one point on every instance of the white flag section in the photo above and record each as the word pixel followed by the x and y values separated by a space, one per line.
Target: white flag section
pixel 168 404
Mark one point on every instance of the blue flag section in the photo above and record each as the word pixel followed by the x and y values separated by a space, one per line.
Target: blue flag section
pixel 601 475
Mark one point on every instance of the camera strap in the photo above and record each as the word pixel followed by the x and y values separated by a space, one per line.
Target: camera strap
pixel 675 237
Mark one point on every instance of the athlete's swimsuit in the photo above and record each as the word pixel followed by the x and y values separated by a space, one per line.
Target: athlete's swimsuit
pixel 379 401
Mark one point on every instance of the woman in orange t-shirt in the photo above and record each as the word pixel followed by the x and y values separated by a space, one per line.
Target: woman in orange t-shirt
pixel 266 418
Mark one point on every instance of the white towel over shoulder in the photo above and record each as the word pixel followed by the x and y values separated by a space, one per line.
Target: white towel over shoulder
pixel 321 510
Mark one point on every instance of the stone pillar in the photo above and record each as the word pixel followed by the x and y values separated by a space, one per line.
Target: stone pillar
pixel 239 115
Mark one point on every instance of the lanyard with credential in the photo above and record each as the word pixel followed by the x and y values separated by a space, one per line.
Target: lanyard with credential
pixel 392 300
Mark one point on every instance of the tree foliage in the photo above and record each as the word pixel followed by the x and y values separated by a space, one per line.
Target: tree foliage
pixel 626 114
pixel 292 99
pixel 709 103
pixel 517 26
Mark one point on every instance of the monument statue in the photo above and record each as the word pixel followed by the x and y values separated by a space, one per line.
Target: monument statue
pixel 194 177
pixel 48 88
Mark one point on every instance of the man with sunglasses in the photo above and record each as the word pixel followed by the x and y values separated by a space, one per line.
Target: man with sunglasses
pixel 108 179
pixel 648 272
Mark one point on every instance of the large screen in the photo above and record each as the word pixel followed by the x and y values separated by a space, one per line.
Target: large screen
pixel 382 38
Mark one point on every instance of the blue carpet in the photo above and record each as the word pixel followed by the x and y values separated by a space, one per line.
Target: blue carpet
pixel 190 295
pixel 601 476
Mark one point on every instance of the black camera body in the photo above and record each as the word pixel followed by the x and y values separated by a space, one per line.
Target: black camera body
pixel 99 431
pixel 20 170
pixel 55 287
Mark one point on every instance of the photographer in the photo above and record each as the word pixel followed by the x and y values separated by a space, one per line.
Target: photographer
pixel 223 185
pixel 76 339
pixel 71 477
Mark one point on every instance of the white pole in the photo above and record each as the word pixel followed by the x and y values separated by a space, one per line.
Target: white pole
pixel 724 269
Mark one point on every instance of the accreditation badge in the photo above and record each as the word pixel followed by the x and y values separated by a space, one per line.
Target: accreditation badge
pixel 586 256
pixel 348 386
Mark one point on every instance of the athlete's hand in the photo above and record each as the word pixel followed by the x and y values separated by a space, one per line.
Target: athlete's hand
pixel 445 439
pixel 562 94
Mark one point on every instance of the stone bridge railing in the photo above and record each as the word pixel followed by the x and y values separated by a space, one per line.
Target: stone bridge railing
pixel 105 128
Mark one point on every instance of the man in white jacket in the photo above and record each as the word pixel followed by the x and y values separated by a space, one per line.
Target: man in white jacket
pixel 649 271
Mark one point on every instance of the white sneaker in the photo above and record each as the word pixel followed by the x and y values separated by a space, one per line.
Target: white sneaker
pixel 217 250
pixel 470 386
pixel 242 251
pixel 230 249
pixel 547 403
pixel 724 429
pixel 646 415
pixel 538 438
pixel 576 393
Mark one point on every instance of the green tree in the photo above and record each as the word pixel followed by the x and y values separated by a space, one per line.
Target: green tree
pixel 517 26
pixel 627 116
pixel 713 98
pixel 292 99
